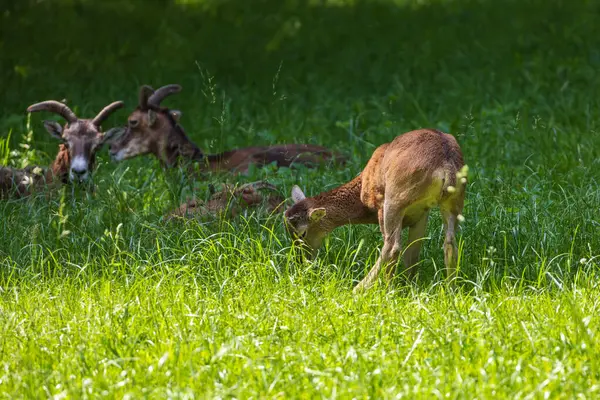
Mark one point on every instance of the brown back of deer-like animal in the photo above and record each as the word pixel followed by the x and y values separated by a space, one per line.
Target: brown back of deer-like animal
pixel 282 155
pixel 153 129
pixel 401 182
pixel 17 182
pixel 231 201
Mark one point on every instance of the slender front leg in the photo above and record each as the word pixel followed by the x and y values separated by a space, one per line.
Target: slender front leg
pixel 393 214
pixel 392 245
pixel 374 272
pixel 371 277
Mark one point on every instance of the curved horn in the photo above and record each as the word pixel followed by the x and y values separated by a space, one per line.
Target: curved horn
pixel 145 92
pixel 55 107
pixel 106 111
pixel 160 94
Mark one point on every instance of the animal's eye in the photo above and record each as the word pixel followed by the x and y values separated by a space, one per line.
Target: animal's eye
pixel 133 123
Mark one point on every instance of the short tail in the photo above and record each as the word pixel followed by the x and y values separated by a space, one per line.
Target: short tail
pixel 456 182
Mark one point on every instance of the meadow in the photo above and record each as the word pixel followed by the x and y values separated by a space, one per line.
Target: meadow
pixel 100 297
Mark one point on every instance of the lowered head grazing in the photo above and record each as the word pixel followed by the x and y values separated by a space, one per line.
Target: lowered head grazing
pixel 305 222
pixel 151 128
pixel 401 182
pixel 81 137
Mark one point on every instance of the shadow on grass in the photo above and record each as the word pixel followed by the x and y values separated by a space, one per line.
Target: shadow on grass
pixel 354 50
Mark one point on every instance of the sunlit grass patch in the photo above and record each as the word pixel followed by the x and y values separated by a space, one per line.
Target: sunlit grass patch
pixel 100 296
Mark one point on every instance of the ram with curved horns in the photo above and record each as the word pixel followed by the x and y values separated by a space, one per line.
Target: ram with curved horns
pixel 81 139
pixel 153 129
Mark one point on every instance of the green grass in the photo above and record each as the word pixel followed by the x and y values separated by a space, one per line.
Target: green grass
pixel 101 298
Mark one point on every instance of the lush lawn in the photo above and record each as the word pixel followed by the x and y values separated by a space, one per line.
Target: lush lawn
pixel 100 297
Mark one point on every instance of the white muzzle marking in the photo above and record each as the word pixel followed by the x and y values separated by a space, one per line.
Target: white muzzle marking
pixel 79 169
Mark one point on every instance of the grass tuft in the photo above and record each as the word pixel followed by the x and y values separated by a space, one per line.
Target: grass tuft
pixel 99 296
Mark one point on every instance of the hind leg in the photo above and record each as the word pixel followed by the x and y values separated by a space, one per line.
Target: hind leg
pixel 451 210
pixel 411 254
pixel 450 248
pixel 390 220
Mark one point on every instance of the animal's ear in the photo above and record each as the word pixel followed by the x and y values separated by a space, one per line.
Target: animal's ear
pixel 297 194
pixel 151 118
pixel 112 134
pixel 176 114
pixel 316 214
pixel 54 128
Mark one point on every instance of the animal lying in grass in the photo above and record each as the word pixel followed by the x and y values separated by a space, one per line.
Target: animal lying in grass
pixel 153 129
pixel 81 139
pixel 21 182
pixel 401 182
pixel 232 201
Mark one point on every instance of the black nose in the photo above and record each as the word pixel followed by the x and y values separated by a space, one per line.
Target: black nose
pixel 79 171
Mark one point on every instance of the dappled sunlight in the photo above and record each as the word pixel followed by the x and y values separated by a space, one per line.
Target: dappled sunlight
pixel 103 295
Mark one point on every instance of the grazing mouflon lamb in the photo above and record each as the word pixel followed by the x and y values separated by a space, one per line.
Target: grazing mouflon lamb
pixel 401 182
